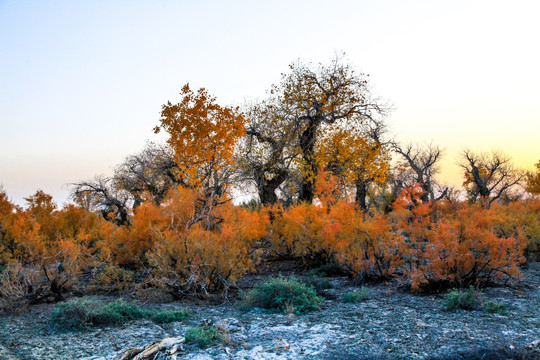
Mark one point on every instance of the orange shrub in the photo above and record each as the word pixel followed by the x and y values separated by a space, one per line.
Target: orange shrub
pixel 367 246
pixel 295 232
pixel 461 248
pixel 521 219
pixel 128 246
pixel 194 256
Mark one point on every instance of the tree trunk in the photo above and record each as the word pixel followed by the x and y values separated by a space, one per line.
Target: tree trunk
pixel 267 188
pixel 361 194
pixel 307 145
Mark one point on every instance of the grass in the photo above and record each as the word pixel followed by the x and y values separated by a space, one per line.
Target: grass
pixel 318 283
pixel 285 294
pixel 204 336
pixel 493 307
pixel 328 270
pixel 83 313
pixel 355 296
pixel 466 300
pixel 169 316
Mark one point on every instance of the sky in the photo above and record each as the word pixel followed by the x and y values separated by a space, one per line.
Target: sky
pixel 82 82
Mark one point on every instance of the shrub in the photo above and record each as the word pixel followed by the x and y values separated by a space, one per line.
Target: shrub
pixel 319 284
pixel 355 296
pixel 84 313
pixel 199 257
pixel 288 295
pixel 118 312
pixel 466 300
pixel 295 232
pixel 18 285
pixel 493 307
pixel 169 316
pixel 329 270
pixel 203 336
pixel 462 247
pixel 114 278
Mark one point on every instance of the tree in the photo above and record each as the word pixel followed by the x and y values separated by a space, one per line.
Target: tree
pixel 6 217
pixel 101 194
pixel 202 135
pixel 150 173
pixel 355 156
pixel 312 99
pixel 488 177
pixel 266 155
pixel 533 180
pixel 424 165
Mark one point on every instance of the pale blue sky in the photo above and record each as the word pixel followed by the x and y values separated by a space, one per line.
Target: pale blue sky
pixel 82 82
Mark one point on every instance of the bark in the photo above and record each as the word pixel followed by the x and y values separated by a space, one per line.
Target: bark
pixel 361 194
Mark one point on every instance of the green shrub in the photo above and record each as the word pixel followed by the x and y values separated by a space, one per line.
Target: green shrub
pixel 203 336
pixel 355 296
pixel 169 316
pixel 467 300
pixel 328 270
pixel 84 313
pixel 288 295
pixel 319 284
pixel 118 312
pixel 496 308
pixel 74 314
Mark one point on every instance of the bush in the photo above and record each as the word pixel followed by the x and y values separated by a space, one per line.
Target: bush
pixel 199 257
pixel 288 295
pixel 355 296
pixel 84 313
pixel 169 316
pixel 319 284
pixel 203 336
pixel 118 312
pixel 495 308
pixel 18 285
pixel 329 270
pixel 114 278
pixel 466 300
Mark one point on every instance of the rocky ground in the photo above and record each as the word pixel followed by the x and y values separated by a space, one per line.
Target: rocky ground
pixel 389 324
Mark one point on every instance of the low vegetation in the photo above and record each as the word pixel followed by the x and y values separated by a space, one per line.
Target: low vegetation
pixel 355 296
pixel 284 294
pixel 466 300
pixel 318 283
pixel 83 313
pixel 169 316
pixel 204 336
pixel 493 307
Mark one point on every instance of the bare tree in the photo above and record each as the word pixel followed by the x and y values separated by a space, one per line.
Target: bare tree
pixel 489 176
pixel 423 162
pixel 100 194
pixel 152 172
pixel 265 156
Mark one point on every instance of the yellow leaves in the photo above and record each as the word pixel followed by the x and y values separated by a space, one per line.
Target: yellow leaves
pixel 352 155
pixel 201 133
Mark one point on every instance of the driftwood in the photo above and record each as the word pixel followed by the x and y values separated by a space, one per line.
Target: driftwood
pixel 168 346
